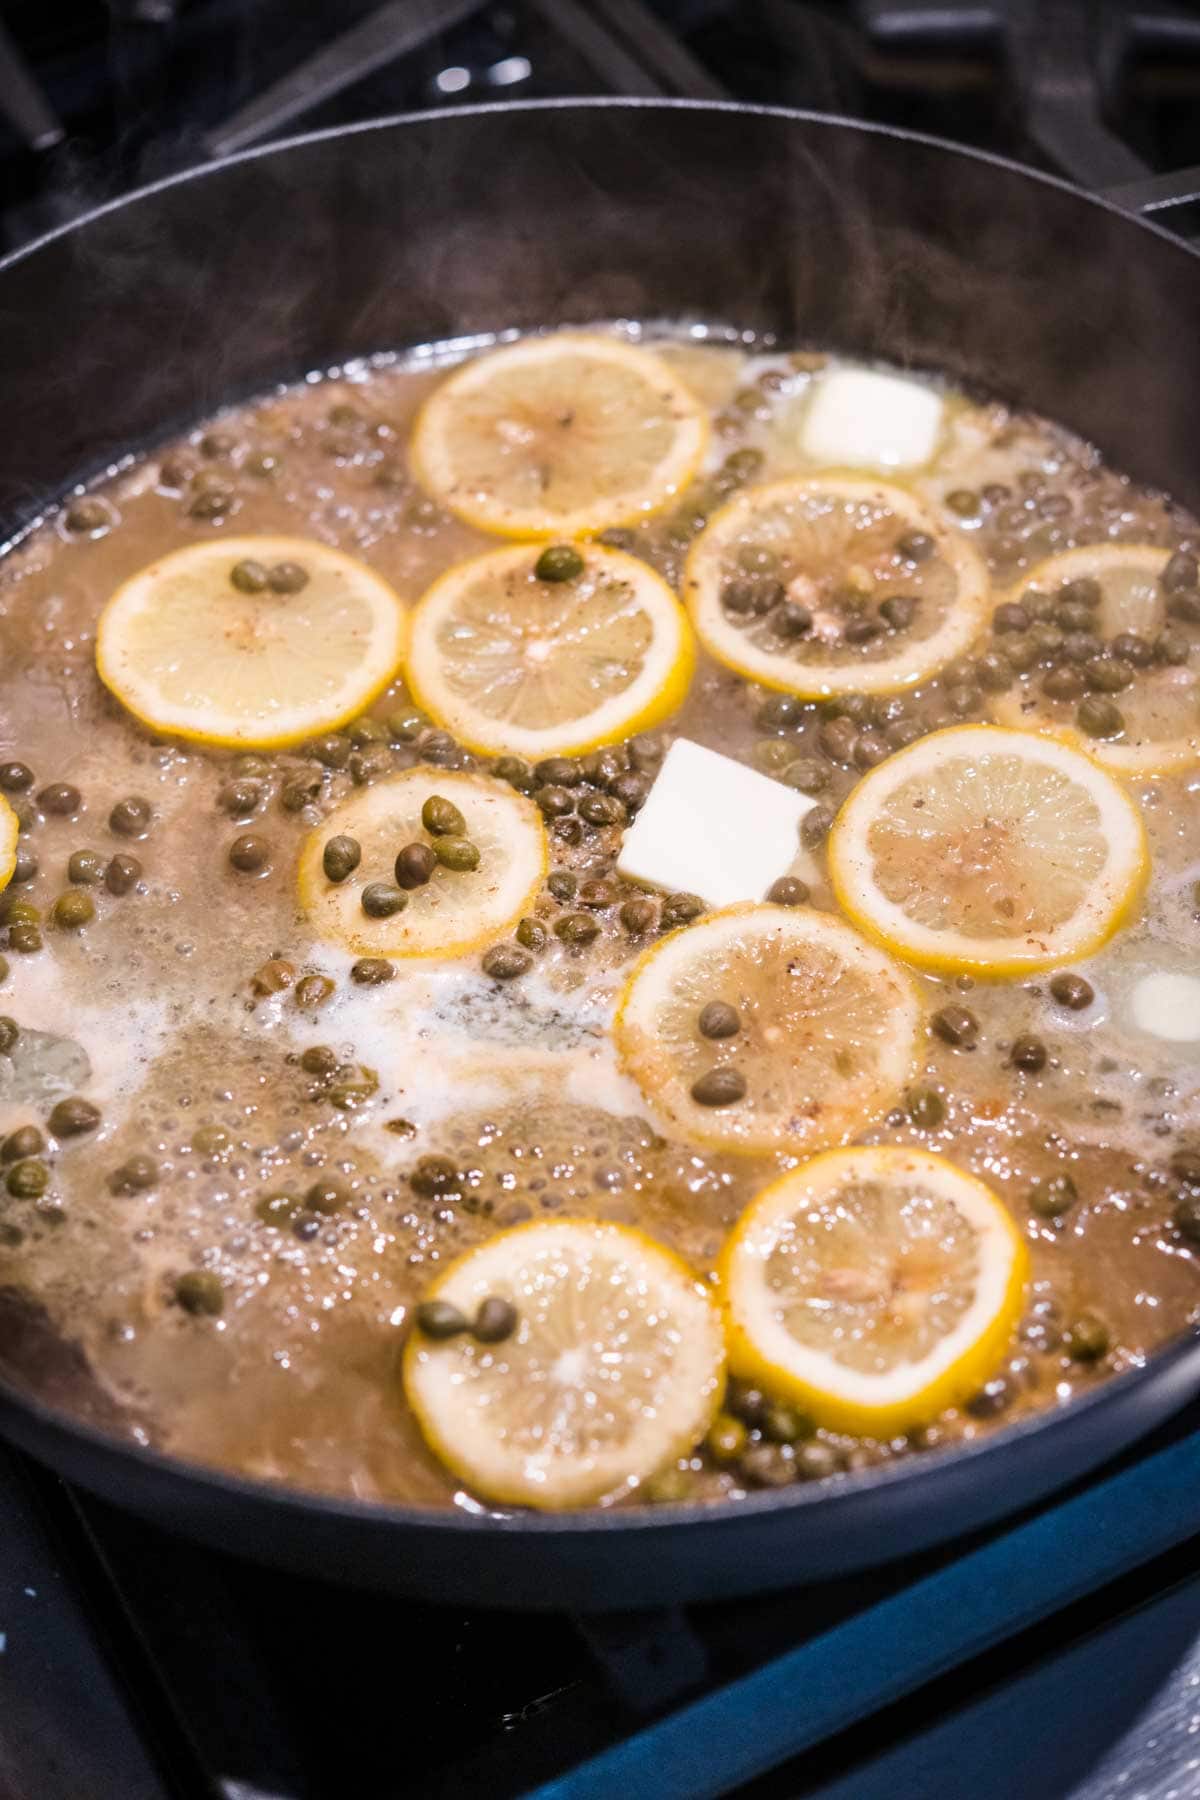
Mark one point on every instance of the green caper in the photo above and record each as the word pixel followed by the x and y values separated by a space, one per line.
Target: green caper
pixel 3 969
pixel 1181 570
pixel 816 1461
pixel 515 771
pixel 278 1209
pixel 86 867
pixel 248 576
pixel 441 818
pixel 680 909
pixel 135 1175
pixel 74 1116
pixel 367 730
pixel 963 501
pixel 249 854
pixel 789 890
pixel 274 976
pixel 406 724
pixel 667 1488
pixel 210 1140
pixel 780 712
pixel 719 1087
pixel 457 853
pixel 555 801
pixel 602 809
pixel 122 874
pixel 1053 1197
pixel 25 865
pixel 815 826
pixel 562 884
pixel 319 1059
pixel 772 755
pixel 201 1293
pixel 25 939
pixel 915 546
pixel 26 1140
pixel 598 894
pixel 719 1020
pixel 1087 1337
pixel 438 1319
pixel 328 1196
pixel 314 990
pixel 10 1031
pixel 807 775
pixel 60 799
pixel 784 1424
pixel 380 900
pixel 295 795
pixel 727 1438
pixel 415 865
pixel 1186 1218
pixel 287 578
pixel 27 1180
pixel 898 611
pixel 434 1176
pixel 504 962
pixel 956 1025
pixel 531 934
pixel 559 562
pixel 1028 1054
pixel 1099 717
pixel 15 777
pixel 73 910
pixel 1072 991
pixel 1064 683
pixel 495 1320
pixel 638 915
pixel 88 515
pixel 211 502
pixel 332 751
pixel 926 1108
pixel 372 971
pixel 577 928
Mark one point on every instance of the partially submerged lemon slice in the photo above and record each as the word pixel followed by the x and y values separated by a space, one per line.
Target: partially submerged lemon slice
pixel 457 909
pixel 613 1369
pixel 988 850
pixel 250 641
pixel 9 827
pixel 558 436
pixel 875 1287
pixel 822 1038
pixel 1154 725
pixel 512 663
pixel 834 584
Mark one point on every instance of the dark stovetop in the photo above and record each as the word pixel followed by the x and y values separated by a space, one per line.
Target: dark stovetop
pixel 135 1666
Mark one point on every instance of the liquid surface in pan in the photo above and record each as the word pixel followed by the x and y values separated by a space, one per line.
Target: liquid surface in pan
pixel 257 1097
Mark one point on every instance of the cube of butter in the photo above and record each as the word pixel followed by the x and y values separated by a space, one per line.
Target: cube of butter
pixel 871 421
pixel 713 827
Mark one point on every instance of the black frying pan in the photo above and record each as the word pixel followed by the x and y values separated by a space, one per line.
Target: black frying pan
pixel 134 321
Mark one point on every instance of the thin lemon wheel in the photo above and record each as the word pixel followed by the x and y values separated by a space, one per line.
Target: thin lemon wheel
pixel 559 436
pixel 874 1287
pixel 828 1029
pixel 10 825
pixel 457 910
pixel 1160 709
pixel 989 851
pixel 511 664
pixel 810 585
pixel 194 656
pixel 614 1370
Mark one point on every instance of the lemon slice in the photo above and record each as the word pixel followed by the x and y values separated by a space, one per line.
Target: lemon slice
pixel 1160 709
pixel 193 655
pixel 826 1037
pixel 457 910
pixel 509 663
pixel 615 1367
pixel 876 1287
pixel 988 850
pixel 806 585
pixel 10 826
pixel 559 436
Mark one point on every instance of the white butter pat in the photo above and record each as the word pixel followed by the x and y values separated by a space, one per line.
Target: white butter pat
pixel 871 421
pixel 713 827
pixel 1167 1006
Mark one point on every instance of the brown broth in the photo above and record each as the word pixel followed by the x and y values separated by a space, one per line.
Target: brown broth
pixel 297 1380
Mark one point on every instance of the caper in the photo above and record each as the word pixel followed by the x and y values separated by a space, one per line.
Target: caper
pixel 1064 684
pixel 558 562
pixel 457 853
pixel 1085 590
pixel 210 1140
pixel 861 629
pixel 61 799
pixel 305 1225
pixel 898 611
pixel 135 1175
pixel 963 501
pixel 719 1087
pixel 274 976
pixel 122 874
pixel 727 1438
pixel 992 1399
pixel 680 909
pixel 201 1293
pixel 791 620
pixel 956 1025
pixel 1021 651
pixel 441 818
pixel 433 1176
pixel 1185 1166
pixel 73 910
pixel 278 1209
pixel 562 883
pixel 750 596
pixel 239 798
pixel 645 751
pixel 504 962
pixel 407 724
pixel 577 928
pixel 516 771
pixel 25 866
pixel 719 1020
pixel 332 751
pixel 249 854
pixel 1011 616
pixel 531 934
pixel 27 1180
pixel 15 777
pixel 743 465
pixel 598 894
pixel 1099 717
pixel 327 1196
pixel 555 801
pixel 295 795
pixel 3 968
pixel 602 809
pixel 788 891
pixel 1181 570
pixel 74 1116
pixel 319 1059
pixel 87 515
pixel 1054 1196
pixel 1107 675
pixel 784 1424
pixel 313 990
pixel 19 912
pixel 438 1319
pixel 769 1465
pixel 86 867
pixel 367 730
pixel 1133 649
pixel 1173 648
pixel 248 576
pixel 380 900
pixel 773 754
pixel 781 712
pixel 369 764
pixel 10 1031
pixel 1028 1054
pixel 638 915
pixel 816 1461
pixel 415 865
pixel 915 546
pixel 249 764
pixel 211 502
pixel 176 469
pixel 287 578
pixel 371 971
pixel 1072 991
pixel 26 940
pixel 495 1320
pixel 807 775
pixel 837 738
pixel 815 825
pixel 1186 1217
pixel 26 1140
pixel 926 1108
pixel 1087 1338
pixel 218 443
